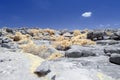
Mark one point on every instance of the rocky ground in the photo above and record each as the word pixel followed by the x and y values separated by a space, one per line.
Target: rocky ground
pixel 47 54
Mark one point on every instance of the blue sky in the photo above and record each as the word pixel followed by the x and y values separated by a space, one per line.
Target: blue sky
pixel 60 14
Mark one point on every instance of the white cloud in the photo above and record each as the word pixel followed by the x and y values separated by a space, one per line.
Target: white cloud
pixel 87 14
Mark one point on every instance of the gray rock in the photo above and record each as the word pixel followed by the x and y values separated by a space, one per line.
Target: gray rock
pixel 112 49
pixel 114 37
pixel 9 30
pixel 63 31
pixel 42 42
pixel 81 68
pixel 46 34
pixel 117 33
pixel 15 66
pixel 95 35
pixel 115 58
pixel 5 45
pixel 6 40
pixel 43 69
pixel 67 34
pixel 83 51
pixel 106 37
pixel 46 53
pixel 107 42
pixel 10 45
pixel 61 48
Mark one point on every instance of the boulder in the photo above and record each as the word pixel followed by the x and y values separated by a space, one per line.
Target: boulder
pixel 42 70
pixel 9 30
pixel 47 52
pixel 112 49
pixel 95 35
pixel 10 45
pixel 61 48
pixel 115 58
pixel 81 68
pixel 115 35
pixel 83 51
pixel 6 40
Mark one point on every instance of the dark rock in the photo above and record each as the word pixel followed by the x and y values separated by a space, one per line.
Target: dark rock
pixel 9 30
pixel 53 78
pixel 6 45
pixel 0 33
pixel 6 40
pixel 23 31
pixel 62 48
pixel 9 45
pixel 95 35
pixel 114 37
pixel 115 58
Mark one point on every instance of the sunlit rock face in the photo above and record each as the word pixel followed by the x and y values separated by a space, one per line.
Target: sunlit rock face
pixel 48 54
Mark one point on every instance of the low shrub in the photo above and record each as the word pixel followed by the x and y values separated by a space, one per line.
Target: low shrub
pixel 76 32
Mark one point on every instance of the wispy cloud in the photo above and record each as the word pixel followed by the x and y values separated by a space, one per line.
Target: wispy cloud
pixel 87 14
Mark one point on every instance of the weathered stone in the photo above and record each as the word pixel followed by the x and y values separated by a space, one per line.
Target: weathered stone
pixel 67 34
pixel 95 35
pixel 43 69
pixel 115 58
pixel 9 45
pixel 107 42
pixel 65 67
pixel 9 30
pixel 112 50
pixel 6 40
pixel 61 48
pixel 82 51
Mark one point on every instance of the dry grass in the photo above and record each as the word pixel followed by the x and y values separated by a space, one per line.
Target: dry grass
pixel 34 32
pixel 19 37
pixel 33 48
pixel 64 44
pixel 50 31
pixel 83 42
pixel 76 32
pixel 81 36
pixel 59 38
pixel 55 56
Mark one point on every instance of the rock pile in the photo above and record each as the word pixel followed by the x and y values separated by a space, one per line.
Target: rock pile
pixel 68 54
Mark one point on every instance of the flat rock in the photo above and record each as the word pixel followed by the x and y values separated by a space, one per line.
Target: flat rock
pixel 107 42
pixel 80 68
pixel 15 66
pixel 83 51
